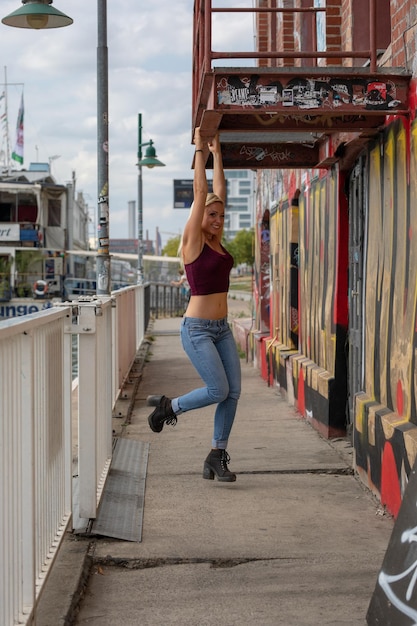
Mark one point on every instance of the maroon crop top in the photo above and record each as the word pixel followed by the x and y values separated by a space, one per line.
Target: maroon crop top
pixel 209 273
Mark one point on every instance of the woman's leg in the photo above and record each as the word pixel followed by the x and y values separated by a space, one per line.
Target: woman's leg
pixel 211 347
pixel 199 339
pixel 226 410
pixel 216 463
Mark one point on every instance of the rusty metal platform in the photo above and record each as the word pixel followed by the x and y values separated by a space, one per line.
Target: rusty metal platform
pixel 294 107
pixel 270 119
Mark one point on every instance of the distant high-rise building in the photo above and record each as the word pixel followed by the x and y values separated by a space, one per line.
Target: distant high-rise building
pixel 240 201
pixel 131 234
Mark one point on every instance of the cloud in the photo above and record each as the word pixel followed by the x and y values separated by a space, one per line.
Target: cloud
pixel 150 72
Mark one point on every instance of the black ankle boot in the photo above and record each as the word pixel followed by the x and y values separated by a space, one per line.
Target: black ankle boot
pixel 163 414
pixel 216 464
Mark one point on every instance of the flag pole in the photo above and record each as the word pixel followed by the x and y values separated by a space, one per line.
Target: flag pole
pixel 6 113
pixel 18 152
pixel 5 117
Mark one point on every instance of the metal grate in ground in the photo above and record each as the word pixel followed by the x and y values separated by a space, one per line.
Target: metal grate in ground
pixel 120 514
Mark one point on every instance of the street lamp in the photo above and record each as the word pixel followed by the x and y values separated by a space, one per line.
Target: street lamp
pixel 150 161
pixel 38 14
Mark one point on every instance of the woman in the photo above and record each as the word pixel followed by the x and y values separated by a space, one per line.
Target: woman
pixel 205 333
pixel 182 283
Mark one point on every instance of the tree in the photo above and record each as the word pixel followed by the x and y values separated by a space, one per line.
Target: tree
pixel 171 246
pixel 242 247
pixel 5 266
pixel 27 261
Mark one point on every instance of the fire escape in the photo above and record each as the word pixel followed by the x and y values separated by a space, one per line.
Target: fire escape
pixel 296 105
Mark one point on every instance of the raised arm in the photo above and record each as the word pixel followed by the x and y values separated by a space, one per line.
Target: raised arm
pixel 219 181
pixel 192 239
pixel 178 283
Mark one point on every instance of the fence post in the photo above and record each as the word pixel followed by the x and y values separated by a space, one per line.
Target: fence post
pixel 28 570
pixel 87 411
pixel 140 315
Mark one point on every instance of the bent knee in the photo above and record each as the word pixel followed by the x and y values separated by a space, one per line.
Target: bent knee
pixel 219 394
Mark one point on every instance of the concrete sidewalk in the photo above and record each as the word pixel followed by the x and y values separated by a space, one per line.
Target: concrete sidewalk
pixel 295 541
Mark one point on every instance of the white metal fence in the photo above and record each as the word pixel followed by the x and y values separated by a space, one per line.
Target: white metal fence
pixel 36 441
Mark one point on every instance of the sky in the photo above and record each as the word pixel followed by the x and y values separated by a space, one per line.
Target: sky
pixel 149 72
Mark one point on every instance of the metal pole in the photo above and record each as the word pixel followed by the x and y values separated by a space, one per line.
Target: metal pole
pixel 372 35
pixel 103 257
pixel 140 205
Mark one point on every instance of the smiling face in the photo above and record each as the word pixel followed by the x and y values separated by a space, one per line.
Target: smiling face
pixel 213 221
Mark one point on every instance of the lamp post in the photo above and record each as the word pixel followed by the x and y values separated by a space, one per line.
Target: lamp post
pixel 103 278
pixel 150 161
pixel 39 14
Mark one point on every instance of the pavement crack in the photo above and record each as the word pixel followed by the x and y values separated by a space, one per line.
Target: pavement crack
pixel 148 563
pixel 340 471
pixel 335 471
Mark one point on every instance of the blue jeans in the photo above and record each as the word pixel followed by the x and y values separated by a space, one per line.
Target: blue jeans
pixel 211 348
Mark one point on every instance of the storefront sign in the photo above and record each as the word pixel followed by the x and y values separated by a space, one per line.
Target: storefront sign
pixel 9 232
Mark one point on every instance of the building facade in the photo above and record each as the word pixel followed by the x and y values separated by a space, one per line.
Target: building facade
pixel 336 268
pixel 43 238
pixel 328 119
pixel 240 201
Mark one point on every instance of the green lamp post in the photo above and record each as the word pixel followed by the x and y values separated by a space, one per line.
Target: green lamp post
pixel 149 160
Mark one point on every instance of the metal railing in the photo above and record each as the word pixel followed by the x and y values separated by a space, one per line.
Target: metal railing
pixel 37 441
pixel 166 300
pixel 35 481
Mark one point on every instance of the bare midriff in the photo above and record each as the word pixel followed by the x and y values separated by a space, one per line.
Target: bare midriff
pixel 210 307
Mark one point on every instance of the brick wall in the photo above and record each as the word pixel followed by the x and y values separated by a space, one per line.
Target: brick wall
pixel 402 12
pixel 334 29
pixel 286 31
pixel 346 29
pixel 290 32
pixel 263 30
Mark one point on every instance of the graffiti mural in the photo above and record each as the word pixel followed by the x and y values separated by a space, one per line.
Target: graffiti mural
pixel 394 600
pixel 262 277
pixel 264 274
pixel 294 317
pixel 385 411
pixel 286 318
pixel 386 419
pixel 271 155
pixel 318 263
pixel 309 93
pixel 309 265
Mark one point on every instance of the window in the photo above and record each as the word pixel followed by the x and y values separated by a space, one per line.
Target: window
pixel 27 212
pixel 230 174
pixel 5 212
pixel 54 212
pixel 242 208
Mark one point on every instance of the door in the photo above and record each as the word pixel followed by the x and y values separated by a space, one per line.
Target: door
pixel 357 215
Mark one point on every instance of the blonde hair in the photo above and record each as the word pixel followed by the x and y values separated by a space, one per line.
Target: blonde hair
pixel 211 198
